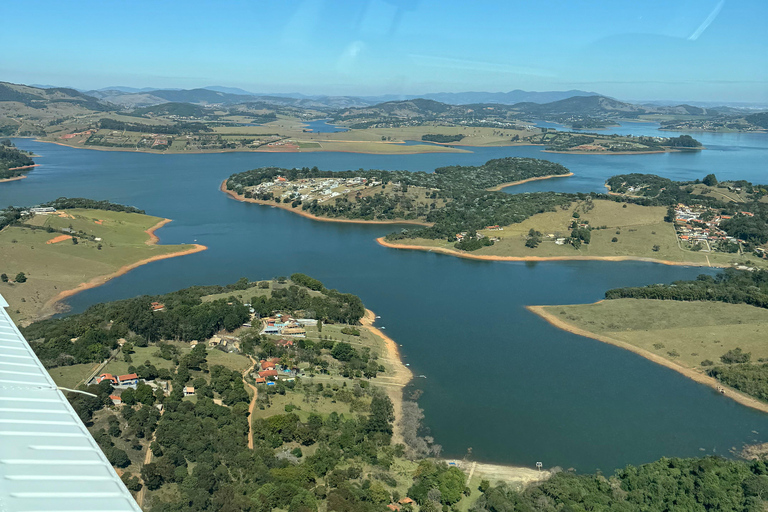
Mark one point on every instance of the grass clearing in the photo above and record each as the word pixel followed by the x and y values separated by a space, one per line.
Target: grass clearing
pixel 71 376
pixel 53 268
pixel 684 332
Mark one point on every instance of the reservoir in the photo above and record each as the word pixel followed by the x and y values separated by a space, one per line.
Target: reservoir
pixel 500 380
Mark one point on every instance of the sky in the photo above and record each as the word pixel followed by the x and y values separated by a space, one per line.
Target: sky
pixel 687 50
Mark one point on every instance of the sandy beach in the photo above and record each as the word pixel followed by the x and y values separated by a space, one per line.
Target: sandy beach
pixel 53 305
pixel 692 374
pixel 513 183
pixel 283 206
pixel 393 382
pixel 485 257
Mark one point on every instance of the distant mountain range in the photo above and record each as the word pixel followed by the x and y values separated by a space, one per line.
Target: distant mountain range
pixel 133 97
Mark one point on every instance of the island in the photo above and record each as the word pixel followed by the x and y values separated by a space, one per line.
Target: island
pixel 711 330
pixel 398 197
pixel 52 251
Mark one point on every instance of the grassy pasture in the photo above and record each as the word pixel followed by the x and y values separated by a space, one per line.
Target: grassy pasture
pixel 684 332
pixel 637 230
pixel 53 268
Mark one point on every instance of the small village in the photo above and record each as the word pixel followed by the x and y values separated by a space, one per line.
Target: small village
pixel 310 189
pixel 700 225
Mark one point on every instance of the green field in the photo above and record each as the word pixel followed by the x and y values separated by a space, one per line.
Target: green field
pixel 684 332
pixel 53 268
pixel 71 376
pixel 637 230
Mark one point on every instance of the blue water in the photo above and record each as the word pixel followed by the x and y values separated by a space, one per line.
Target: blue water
pixel 322 126
pixel 499 379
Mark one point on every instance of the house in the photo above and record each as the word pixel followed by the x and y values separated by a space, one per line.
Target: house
pixel 157 306
pixel 284 343
pixel 130 379
pixel 116 400
pixel 393 506
pixel 106 376
pixel 189 391
pixel 271 329
pixel 406 501
pixel 267 365
pixel 268 373
pixel 260 380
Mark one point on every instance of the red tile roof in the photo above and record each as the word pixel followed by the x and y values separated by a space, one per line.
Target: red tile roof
pixel 130 376
pixel 266 365
pixel 268 373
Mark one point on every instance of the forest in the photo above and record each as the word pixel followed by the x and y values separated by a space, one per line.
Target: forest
pixel 186 317
pixel 692 485
pixel 11 157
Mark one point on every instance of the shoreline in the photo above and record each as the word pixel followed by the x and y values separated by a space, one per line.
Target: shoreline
pixel 24 167
pixel 498 188
pixel 399 379
pixel 283 206
pixel 15 178
pixel 53 306
pixel 485 257
pixel 690 373
pixel 213 151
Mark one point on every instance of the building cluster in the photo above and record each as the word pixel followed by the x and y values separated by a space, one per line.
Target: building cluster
pixel 270 370
pixel 692 228
pixel 309 189
pixel 285 325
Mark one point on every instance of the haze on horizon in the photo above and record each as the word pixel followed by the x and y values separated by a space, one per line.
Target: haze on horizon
pixel 694 50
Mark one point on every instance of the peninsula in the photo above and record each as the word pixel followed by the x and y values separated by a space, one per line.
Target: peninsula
pixel 643 217
pixel 711 330
pixel 51 252
pixel 14 163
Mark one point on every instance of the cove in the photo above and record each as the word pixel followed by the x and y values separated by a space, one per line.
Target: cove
pixel 498 379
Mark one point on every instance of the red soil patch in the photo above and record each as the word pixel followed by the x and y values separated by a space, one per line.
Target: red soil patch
pixel 58 239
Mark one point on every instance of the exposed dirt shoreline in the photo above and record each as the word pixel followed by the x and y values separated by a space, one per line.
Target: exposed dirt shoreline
pixel 15 178
pixel 513 183
pixel 273 149
pixel 283 206
pixel 654 152
pixel 692 374
pixel 394 383
pixel 485 257
pixel 54 306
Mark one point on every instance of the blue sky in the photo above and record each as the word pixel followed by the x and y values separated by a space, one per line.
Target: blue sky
pixel 696 50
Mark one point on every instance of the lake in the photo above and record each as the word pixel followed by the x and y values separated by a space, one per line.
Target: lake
pixel 498 379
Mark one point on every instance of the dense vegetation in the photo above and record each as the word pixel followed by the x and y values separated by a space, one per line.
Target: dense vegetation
pixel 11 157
pixel 566 141
pixel 172 129
pixel 731 286
pixel 751 379
pixel 710 483
pixel 90 204
pixel 186 317
pixel 468 203
pixel 443 139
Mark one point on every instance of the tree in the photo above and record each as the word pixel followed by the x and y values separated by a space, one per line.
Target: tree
pixel 74 240
pixel 21 278
pixel 4 278
pixel 710 180
pixel 656 248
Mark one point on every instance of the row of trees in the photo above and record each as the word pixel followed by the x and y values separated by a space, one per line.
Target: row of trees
pixel 732 286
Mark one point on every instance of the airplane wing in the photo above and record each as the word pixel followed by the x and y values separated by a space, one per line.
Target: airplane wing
pixel 48 460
